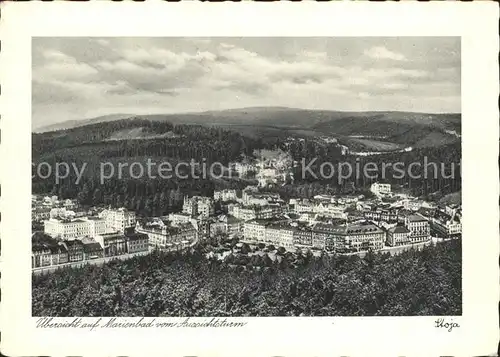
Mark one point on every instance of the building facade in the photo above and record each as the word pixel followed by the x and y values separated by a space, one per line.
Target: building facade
pixel 379 189
pixel 358 238
pixel 137 242
pixel 198 206
pixel 179 218
pixel 69 228
pixel 419 228
pixel 92 249
pixel 59 254
pixel 113 244
pixel 169 237
pixel 117 220
pixel 398 235
pixel 389 216
pixel 41 256
pixel 255 230
pixel 303 237
pixel 280 235
pixel 75 250
pixel 225 195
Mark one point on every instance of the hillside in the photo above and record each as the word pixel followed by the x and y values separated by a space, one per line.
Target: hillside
pixel 279 116
pixel 77 123
pixel 393 130
pixel 452 198
pixel 136 140
pixel 138 134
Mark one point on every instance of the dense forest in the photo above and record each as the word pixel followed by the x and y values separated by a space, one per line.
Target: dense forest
pixel 426 282
pixel 90 145
pixel 183 142
pixel 423 170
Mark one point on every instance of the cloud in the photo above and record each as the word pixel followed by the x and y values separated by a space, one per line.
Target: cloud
pixel 381 52
pixel 60 65
pixel 177 75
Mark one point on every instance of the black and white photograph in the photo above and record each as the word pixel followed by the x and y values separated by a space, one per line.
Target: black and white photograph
pixel 249 179
pixel 246 176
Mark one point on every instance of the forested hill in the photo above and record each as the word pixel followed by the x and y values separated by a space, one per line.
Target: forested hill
pixel 136 140
pixel 279 121
pixel 159 135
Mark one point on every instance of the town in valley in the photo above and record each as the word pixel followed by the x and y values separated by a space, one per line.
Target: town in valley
pixel 242 176
pixel 245 222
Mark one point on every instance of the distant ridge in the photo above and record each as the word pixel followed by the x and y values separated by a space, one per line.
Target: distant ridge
pixel 321 121
pixel 69 124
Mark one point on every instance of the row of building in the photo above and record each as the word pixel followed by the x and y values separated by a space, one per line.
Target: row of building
pixel 47 251
pixel 68 227
pixel 269 167
pixel 168 234
pixel 342 238
pixel 42 206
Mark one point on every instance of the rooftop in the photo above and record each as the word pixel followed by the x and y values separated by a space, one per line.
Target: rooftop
pixel 416 218
pixel 74 242
pixel 93 246
pixel 398 229
pixel 94 218
pixel 347 229
pixel 136 236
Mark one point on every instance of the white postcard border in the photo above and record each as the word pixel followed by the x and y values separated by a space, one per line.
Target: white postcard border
pixel 476 24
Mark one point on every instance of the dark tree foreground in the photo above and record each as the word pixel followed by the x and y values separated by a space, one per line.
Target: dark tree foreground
pixel 426 282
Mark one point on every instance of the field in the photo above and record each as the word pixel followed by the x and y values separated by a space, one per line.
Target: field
pixel 258 131
pixel 376 145
pixel 138 133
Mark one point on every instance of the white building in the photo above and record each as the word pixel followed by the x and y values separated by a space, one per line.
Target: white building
pixel 167 236
pixel 398 235
pixel 412 204
pixel 179 218
pixel 447 227
pixel 66 229
pixel 206 207
pixel 225 195
pixel 242 212
pixel 243 169
pixel 254 231
pixel 118 219
pixel 379 189
pixel 447 223
pixel 280 236
pixel 70 228
pixel 97 226
pixel 261 199
pixel 61 212
pixel 308 217
pixel 248 192
pixel 198 206
pixel 324 208
pixel 226 224
pixel 419 229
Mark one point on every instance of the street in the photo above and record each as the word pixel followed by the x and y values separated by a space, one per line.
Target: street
pixel 98 261
pixel 402 248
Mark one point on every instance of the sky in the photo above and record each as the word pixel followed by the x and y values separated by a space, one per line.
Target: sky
pixel 84 77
